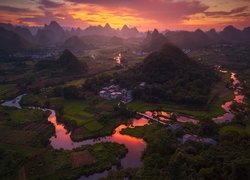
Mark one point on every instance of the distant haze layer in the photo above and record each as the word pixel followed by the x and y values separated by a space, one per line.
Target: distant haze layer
pixel 144 14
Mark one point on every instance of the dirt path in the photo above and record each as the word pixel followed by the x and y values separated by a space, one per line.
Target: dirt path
pixel 21 173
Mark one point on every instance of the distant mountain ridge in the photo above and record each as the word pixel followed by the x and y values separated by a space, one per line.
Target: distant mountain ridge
pixel 74 43
pixel 154 40
pixel 232 34
pixel 214 36
pixel 55 35
pixel 186 39
pixel 107 30
pixel 199 38
pixel 10 41
pixel 51 34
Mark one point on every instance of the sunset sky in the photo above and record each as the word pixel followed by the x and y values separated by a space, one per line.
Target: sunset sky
pixel 144 14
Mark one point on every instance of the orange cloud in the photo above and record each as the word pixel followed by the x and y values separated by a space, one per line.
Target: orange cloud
pixel 144 14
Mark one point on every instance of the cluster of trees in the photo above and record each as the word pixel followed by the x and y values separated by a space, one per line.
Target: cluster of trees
pixel 228 160
pixel 9 161
pixel 120 111
pixel 97 82
pixel 69 92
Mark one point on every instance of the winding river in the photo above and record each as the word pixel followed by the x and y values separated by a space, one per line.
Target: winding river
pixel 238 98
pixel 134 145
pixel 14 102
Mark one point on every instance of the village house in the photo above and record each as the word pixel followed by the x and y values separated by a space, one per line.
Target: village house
pixel 115 92
pixel 142 84
pixel 195 138
pixel 186 51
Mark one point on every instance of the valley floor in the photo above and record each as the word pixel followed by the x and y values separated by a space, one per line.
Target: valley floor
pixel 27 152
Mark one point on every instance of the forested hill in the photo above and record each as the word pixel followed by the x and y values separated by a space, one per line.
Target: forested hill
pixel 170 75
pixel 10 41
pixel 66 65
pixel 70 62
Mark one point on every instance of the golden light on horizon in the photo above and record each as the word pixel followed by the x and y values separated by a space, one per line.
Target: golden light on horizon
pixel 115 19
pixel 143 14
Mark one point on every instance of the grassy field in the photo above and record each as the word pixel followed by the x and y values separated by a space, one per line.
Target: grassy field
pixel 7 91
pixel 77 82
pixel 141 131
pixel 20 117
pixel 82 117
pixel 75 111
pixel 235 129
pixel 215 108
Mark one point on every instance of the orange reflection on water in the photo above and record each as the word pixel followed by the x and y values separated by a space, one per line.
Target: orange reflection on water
pixel 235 80
pixel 165 114
pixel 118 58
pixel 239 98
pixel 227 106
pixel 62 136
pixel 134 145
pixel 140 122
